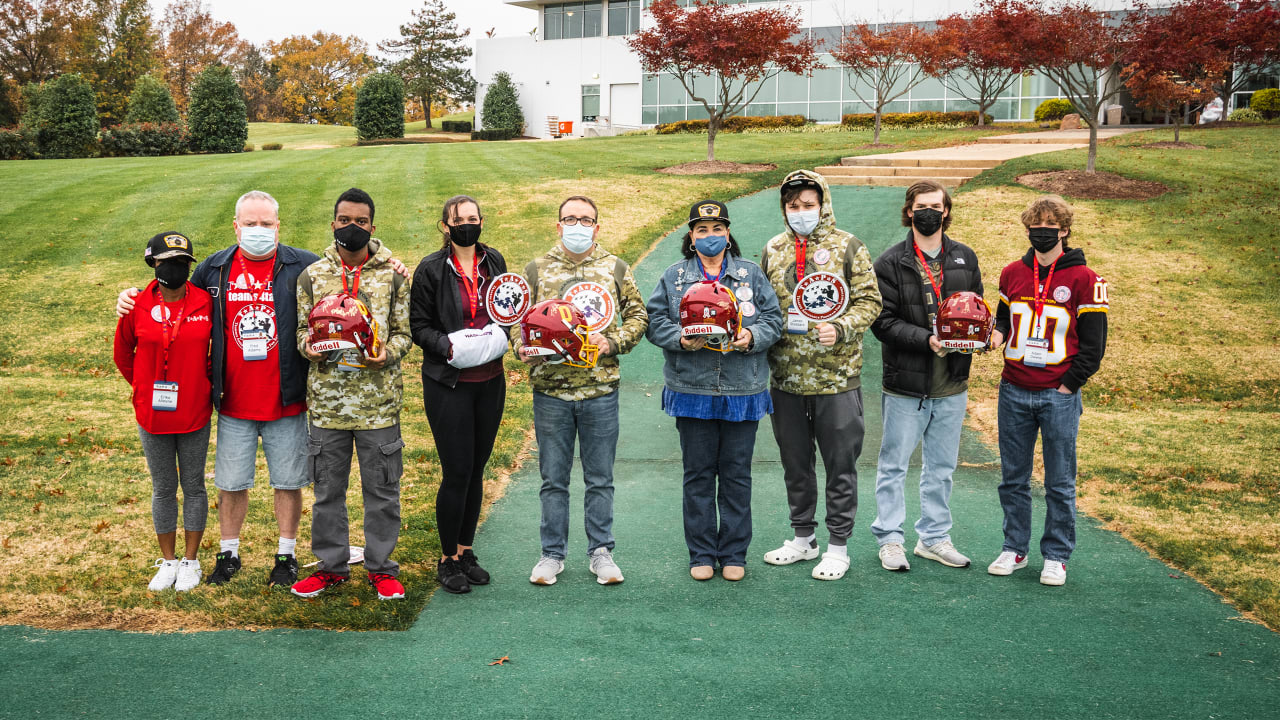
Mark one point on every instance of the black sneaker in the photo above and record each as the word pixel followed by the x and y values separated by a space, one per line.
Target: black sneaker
pixel 228 565
pixel 476 575
pixel 285 573
pixel 453 578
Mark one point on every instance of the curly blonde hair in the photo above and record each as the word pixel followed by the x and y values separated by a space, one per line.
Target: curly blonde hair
pixel 1048 209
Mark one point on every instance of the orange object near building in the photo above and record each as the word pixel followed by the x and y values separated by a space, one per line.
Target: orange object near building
pixel 566 127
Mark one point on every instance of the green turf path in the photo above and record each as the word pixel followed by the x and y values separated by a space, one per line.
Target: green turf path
pixel 1123 639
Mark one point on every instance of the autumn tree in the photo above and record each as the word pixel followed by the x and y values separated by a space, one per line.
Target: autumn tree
pixel 1249 36
pixel 258 79
pixel 131 54
pixel 978 61
pixel 33 39
pixel 318 76
pixel 721 55
pixel 193 41
pixel 883 63
pixel 8 106
pixel 431 53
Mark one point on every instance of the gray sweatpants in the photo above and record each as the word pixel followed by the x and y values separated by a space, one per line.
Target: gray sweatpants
pixel 173 460
pixel 381 465
pixel 835 422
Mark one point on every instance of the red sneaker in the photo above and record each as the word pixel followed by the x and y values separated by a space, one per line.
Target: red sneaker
pixel 317 583
pixel 387 586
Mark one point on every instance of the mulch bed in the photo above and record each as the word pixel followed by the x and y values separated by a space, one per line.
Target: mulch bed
pixel 1098 186
pixel 716 167
pixel 1174 146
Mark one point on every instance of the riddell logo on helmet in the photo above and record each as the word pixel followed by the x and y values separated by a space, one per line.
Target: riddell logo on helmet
pixel 327 345
pixel 695 330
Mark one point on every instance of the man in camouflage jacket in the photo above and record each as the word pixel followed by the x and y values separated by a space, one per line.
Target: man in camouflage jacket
pixel 571 402
pixel 816 370
pixel 355 399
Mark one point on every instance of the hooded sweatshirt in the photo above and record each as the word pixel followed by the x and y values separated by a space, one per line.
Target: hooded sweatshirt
pixel 799 363
pixel 365 399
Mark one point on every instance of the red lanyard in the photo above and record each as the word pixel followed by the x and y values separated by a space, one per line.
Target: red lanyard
pixel 1035 290
pixel 707 275
pixel 801 246
pixel 355 280
pixel 244 273
pixel 167 324
pixel 937 284
pixel 469 282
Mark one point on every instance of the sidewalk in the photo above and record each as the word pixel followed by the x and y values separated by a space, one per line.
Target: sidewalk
pixel 1123 639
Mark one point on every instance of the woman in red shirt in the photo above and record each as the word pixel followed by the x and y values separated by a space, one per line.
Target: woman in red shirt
pixel 162 349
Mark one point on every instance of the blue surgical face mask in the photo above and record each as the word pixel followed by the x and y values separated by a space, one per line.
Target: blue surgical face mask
pixel 711 245
pixel 804 222
pixel 258 241
pixel 576 238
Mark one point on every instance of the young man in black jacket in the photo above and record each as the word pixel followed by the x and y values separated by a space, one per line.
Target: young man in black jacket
pixel 925 386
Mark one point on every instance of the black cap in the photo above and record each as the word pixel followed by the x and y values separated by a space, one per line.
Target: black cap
pixel 167 245
pixel 708 210
pixel 803 182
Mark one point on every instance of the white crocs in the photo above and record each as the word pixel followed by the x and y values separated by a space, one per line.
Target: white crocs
pixel 790 552
pixel 832 567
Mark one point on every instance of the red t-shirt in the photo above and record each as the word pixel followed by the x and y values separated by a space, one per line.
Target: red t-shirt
pixel 492 369
pixel 140 356
pixel 251 388
pixel 1075 291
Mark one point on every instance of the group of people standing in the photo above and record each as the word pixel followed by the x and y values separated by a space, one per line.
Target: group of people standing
pixel 195 341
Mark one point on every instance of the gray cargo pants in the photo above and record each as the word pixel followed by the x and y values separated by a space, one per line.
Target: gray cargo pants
pixel 381 465
pixel 835 422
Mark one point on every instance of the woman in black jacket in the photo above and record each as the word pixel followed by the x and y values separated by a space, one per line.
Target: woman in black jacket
pixel 463 385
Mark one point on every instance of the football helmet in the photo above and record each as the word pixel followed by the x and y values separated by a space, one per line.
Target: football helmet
pixel 556 330
pixel 964 322
pixel 340 322
pixel 709 309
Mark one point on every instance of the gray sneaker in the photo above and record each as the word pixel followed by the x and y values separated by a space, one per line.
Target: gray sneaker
pixel 894 557
pixel 545 572
pixel 604 568
pixel 944 552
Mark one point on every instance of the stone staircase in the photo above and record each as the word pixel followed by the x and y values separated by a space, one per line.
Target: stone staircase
pixel 904 171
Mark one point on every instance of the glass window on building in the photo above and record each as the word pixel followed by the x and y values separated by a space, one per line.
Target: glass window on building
pixel 824 111
pixel 760 110
pixel 825 85
pixel 793 88
pixel 592 19
pixel 572 19
pixel 649 90
pixel 930 89
pixel 590 103
pixel 624 17
pixel 670 91
pixel 793 109
pixel 552 22
pixel 670 114
pixel 829 37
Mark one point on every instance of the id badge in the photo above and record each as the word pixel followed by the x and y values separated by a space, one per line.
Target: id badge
pixel 255 345
pixel 797 324
pixel 164 396
pixel 1035 352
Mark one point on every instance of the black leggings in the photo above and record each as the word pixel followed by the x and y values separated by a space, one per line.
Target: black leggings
pixel 464 421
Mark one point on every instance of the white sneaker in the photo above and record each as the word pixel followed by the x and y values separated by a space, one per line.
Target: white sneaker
pixel 1007 563
pixel 188 575
pixel 604 568
pixel 894 557
pixel 1054 573
pixel 944 552
pixel 791 552
pixel 545 572
pixel 164 577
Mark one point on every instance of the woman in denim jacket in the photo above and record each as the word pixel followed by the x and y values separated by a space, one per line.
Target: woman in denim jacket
pixel 717 398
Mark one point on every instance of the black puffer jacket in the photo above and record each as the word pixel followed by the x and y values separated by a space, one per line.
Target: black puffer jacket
pixel 435 308
pixel 903 326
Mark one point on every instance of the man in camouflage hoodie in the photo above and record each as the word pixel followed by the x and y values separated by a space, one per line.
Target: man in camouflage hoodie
pixel 571 402
pixel 355 399
pixel 816 369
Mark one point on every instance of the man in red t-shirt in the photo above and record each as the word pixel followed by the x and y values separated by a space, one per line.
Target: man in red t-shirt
pixel 1053 311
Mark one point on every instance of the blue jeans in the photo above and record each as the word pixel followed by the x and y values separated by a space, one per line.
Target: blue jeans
pixel 907 420
pixel 1055 417
pixel 711 449
pixel 284 443
pixel 594 424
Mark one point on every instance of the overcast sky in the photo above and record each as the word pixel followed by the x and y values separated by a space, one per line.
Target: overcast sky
pixel 373 20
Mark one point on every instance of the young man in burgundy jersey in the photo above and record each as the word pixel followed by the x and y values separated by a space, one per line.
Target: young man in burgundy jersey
pixel 1053 313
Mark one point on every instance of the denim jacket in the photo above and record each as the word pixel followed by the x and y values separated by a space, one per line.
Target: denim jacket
pixel 707 372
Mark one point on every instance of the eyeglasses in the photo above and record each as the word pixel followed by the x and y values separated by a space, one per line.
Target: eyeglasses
pixel 571 220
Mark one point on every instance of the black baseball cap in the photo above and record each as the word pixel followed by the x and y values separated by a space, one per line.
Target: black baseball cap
pixel 708 210
pixel 803 182
pixel 168 245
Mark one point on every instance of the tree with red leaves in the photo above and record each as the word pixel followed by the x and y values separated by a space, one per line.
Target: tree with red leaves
pixel 888 61
pixel 1250 37
pixel 979 60
pixel 736 49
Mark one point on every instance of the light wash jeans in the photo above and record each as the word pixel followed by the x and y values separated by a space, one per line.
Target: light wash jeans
pixel 907 420
pixel 1054 416
pixel 594 424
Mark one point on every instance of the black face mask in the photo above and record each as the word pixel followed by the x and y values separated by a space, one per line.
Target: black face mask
pixel 926 221
pixel 172 273
pixel 465 235
pixel 352 237
pixel 1043 239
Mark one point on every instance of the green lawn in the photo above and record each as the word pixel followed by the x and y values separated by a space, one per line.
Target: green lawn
pixel 420 126
pixel 296 136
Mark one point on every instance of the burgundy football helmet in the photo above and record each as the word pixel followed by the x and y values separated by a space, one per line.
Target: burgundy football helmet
pixel 709 309
pixel 964 322
pixel 342 322
pixel 555 329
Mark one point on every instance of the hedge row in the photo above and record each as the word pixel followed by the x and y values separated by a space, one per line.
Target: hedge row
pixel 144 139
pixel 733 124
pixel 455 126
pixel 915 119
pixel 17 145
pixel 502 134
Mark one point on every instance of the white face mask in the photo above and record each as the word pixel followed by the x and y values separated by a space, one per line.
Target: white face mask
pixel 257 240
pixel 803 222
pixel 577 239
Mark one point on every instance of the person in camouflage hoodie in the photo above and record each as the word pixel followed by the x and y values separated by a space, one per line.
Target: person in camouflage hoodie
pixel 816 369
pixel 355 400
pixel 582 403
